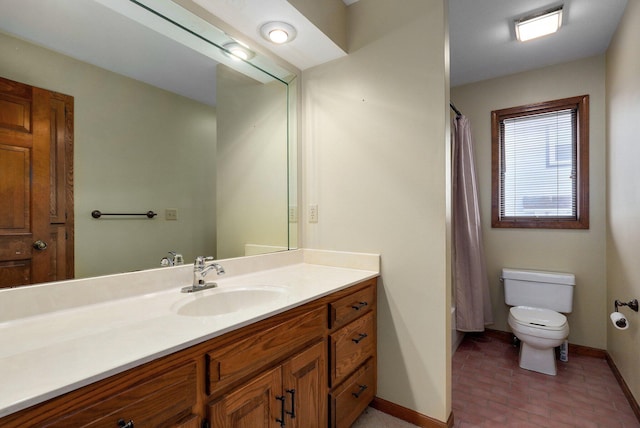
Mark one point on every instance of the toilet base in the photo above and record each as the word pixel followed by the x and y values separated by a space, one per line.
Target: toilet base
pixel 538 360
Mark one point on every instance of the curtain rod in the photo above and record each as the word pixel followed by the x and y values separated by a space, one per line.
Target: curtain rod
pixel 455 109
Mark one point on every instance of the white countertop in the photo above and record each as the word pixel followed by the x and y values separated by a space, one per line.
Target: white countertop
pixel 48 354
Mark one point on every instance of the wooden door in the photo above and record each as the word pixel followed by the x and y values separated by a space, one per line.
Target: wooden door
pixel 258 404
pixel 305 388
pixel 36 185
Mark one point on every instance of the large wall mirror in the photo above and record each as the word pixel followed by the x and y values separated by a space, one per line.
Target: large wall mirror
pixel 164 120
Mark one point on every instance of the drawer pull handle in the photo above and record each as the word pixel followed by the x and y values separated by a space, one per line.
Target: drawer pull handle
pixel 281 420
pixel 359 306
pixel 359 338
pixel 292 413
pixel 357 394
pixel 123 424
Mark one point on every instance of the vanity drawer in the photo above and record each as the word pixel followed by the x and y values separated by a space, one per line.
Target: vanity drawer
pixel 235 361
pixel 350 307
pixel 351 346
pixel 161 400
pixel 350 399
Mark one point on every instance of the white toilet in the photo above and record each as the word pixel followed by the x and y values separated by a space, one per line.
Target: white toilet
pixel 537 298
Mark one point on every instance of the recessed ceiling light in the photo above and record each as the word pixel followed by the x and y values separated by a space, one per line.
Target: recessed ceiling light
pixel 538 25
pixel 278 32
pixel 238 51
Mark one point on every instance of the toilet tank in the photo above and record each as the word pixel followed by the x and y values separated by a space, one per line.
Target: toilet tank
pixel 549 290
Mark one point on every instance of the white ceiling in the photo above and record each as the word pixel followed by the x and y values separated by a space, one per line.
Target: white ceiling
pixel 310 47
pixel 483 45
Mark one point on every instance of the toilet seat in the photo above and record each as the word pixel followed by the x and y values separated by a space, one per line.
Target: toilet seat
pixel 540 331
pixel 544 319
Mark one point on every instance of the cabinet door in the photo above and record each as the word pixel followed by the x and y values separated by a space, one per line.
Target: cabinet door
pixel 258 404
pixel 305 379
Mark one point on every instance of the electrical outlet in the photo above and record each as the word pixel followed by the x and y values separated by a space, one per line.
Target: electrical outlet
pixel 171 214
pixel 293 214
pixel 313 213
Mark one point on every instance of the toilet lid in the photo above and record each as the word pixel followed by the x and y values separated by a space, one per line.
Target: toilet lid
pixel 538 316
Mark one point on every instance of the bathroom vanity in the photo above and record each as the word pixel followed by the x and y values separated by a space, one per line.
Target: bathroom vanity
pixel 304 359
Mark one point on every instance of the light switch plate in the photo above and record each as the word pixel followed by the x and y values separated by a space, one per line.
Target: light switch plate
pixel 171 214
pixel 313 213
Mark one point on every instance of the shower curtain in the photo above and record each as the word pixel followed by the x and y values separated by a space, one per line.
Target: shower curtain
pixel 471 285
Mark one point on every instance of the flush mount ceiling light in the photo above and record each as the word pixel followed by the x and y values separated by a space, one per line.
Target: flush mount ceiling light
pixel 538 25
pixel 238 51
pixel 278 32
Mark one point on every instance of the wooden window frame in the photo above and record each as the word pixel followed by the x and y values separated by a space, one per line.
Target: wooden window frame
pixel 581 221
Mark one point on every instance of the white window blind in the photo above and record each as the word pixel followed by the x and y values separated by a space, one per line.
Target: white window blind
pixel 538 166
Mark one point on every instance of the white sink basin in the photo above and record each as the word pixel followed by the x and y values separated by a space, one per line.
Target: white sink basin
pixel 221 301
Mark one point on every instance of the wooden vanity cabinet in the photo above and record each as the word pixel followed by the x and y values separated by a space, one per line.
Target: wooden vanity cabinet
pixel 162 400
pixel 292 383
pixel 344 324
pixel 292 394
pixel 312 366
pixel 262 348
pixel 160 394
pixel 352 355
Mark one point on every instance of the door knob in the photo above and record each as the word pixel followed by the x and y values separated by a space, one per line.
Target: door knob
pixel 40 245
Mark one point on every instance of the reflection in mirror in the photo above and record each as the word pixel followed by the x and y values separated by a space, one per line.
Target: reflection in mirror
pixel 163 121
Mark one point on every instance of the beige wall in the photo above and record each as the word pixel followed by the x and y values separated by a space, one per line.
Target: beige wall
pixel 623 178
pixel 581 252
pixel 251 196
pixel 375 162
pixel 137 148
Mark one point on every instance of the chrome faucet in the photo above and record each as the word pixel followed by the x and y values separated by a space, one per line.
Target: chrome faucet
pixel 200 270
pixel 175 260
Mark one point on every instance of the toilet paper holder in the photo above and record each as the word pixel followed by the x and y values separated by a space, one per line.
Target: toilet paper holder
pixel 633 304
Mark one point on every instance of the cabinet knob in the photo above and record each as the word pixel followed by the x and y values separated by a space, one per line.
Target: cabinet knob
pixel 359 306
pixel 123 424
pixel 360 391
pixel 292 413
pixel 359 338
pixel 282 411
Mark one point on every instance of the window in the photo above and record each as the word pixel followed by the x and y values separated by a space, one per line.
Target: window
pixel 540 165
